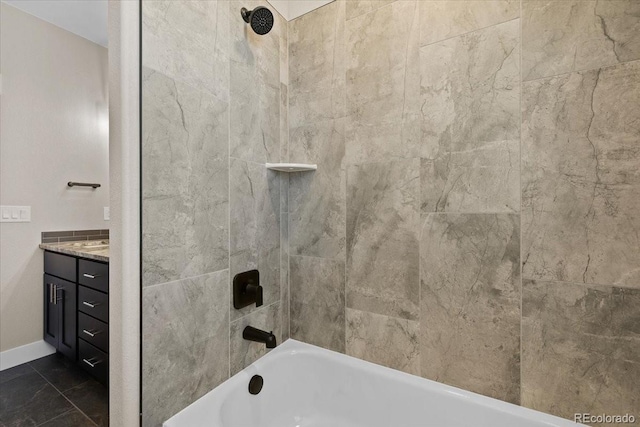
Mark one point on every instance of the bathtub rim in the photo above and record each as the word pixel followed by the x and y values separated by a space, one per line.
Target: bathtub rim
pixel 293 347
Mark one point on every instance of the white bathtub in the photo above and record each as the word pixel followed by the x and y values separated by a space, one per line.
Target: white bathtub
pixel 307 386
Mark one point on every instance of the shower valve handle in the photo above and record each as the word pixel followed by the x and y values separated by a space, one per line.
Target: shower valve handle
pixel 247 289
pixel 255 291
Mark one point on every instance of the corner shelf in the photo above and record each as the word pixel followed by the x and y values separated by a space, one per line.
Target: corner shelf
pixel 291 167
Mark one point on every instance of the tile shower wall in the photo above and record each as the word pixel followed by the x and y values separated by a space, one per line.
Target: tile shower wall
pixel 473 218
pixel 214 111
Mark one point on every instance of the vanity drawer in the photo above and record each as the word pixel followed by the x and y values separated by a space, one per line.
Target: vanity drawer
pixel 93 274
pixel 93 331
pixel 62 266
pixel 94 361
pixel 93 303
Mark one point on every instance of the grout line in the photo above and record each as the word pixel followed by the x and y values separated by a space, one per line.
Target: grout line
pixel 255 310
pixel 520 205
pixel 586 70
pixel 469 213
pixel 60 416
pixel 185 278
pixel 63 395
pixel 365 13
pixel 288 188
pixel 580 284
pixel 54 418
pixel 386 316
pixel 344 169
pixel 467 33
pixel 321 257
pixel 247 161
pixel 229 301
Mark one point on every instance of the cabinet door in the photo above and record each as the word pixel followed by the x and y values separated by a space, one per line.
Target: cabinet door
pixel 50 311
pixel 66 301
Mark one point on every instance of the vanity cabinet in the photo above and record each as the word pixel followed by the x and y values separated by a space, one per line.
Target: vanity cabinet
pixel 76 310
pixel 60 298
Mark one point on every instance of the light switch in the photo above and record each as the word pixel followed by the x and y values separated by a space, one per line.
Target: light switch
pixel 16 213
pixel 106 213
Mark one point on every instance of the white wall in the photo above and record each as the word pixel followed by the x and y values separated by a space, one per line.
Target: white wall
pixel 53 129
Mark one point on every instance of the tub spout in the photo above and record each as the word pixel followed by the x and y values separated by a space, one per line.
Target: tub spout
pixel 252 334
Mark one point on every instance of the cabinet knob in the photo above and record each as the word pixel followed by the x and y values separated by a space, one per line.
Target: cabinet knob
pixel 91 304
pixel 90 276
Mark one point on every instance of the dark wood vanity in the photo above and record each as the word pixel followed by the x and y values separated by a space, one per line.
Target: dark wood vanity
pixel 76 310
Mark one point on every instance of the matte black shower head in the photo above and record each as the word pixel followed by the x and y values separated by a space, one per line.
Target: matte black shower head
pixel 260 19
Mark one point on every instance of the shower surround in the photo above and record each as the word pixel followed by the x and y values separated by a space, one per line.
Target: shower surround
pixel 213 94
pixel 473 218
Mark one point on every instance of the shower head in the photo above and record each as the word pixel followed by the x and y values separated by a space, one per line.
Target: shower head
pixel 260 19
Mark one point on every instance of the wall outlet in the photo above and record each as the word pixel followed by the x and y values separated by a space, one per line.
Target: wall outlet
pixel 15 213
pixel 107 214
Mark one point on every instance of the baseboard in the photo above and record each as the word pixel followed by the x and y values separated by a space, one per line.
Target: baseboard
pixel 25 353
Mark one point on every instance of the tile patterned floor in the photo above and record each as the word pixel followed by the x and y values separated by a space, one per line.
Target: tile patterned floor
pixel 52 392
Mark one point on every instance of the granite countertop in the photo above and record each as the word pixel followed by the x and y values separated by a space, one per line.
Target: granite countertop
pixel 92 249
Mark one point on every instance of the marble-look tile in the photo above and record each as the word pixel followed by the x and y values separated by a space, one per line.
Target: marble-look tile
pixel 199 56
pixel 254 89
pixel 317 200
pixel 255 228
pixel 317 302
pixel 284 255
pixel 284 274
pixel 185 182
pixel 316 67
pixel 387 341
pixel 283 32
pixel 244 352
pixel 29 400
pixel 382 238
pixel 445 19
pixel 15 372
pixel 580 177
pixel 61 372
pixel 284 123
pixel 383 84
pixel 185 343
pixel 92 398
pixel 480 179
pixel 360 7
pixel 73 418
pixel 284 192
pixel 580 348
pixel 316 132
pixel 470 302
pixel 470 88
pixel 564 36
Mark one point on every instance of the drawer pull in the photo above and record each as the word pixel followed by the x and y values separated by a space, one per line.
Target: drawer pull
pixel 91 276
pixel 91 304
pixel 92 362
pixel 91 333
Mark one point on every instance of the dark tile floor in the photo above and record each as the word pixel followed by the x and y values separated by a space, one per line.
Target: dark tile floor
pixel 52 392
